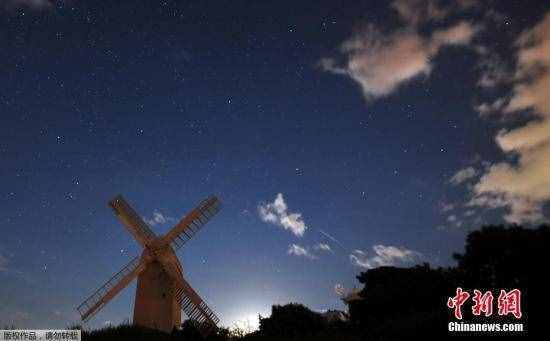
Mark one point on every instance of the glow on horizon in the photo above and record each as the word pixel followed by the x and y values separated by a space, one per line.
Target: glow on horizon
pixel 247 323
pixel 247 318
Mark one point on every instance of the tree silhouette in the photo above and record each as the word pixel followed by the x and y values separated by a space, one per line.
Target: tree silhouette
pixel 400 301
pixel 396 300
pixel 502 257
pixel 497 257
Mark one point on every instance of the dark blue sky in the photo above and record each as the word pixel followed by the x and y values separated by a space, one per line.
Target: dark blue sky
pixel 169 102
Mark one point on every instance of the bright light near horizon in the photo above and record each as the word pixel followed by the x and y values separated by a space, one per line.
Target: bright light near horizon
pixel 245 316
pixel 247 323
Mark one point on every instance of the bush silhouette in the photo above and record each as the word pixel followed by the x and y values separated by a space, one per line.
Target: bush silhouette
pixel 291 320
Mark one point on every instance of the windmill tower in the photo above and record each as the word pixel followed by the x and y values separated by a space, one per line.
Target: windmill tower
pixel 161 292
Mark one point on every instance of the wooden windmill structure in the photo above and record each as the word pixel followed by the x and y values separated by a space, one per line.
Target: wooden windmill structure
pixel 161 292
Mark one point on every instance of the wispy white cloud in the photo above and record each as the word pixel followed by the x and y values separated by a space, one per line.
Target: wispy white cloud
pixel 339 289
pixel 311 252
pixel 323 247
pixel 158 218
pixel 486 109
pixel 359 258
pixel 384 256
pixel 446 206
pixel 277 213
pixel 463 175
pixel 297 250
pixel 454 221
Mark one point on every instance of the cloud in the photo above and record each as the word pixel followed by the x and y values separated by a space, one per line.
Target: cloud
pixel 339 289
pixel 460 218
pixel 533 63
pixel 459 34
pixel 297 250
pixel 494 70
pixel 30 4
pixel 276 212
pixel 454 220
pixel 463 175
pixel 384 256
pixel 416 12
pixel 158 218
pixel 446 207
pixel 323 247
pixel 380 63
pixel 522 185
pixel 309 252
pixel 486 109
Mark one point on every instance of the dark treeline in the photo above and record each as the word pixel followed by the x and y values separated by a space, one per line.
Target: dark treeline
pixel 405 302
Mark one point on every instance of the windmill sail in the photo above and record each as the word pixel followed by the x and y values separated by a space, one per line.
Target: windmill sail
pixel 192 223
pixel 195 308
pixel 132 221
pixel 107 291
pixel 190 302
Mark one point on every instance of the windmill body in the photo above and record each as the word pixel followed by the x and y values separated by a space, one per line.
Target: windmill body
pixel 162 292
pixel 156 305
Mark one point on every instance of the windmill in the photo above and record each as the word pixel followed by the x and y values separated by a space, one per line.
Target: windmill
pixel 161 292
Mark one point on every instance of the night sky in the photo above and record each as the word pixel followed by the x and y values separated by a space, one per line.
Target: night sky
pixel 339 135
